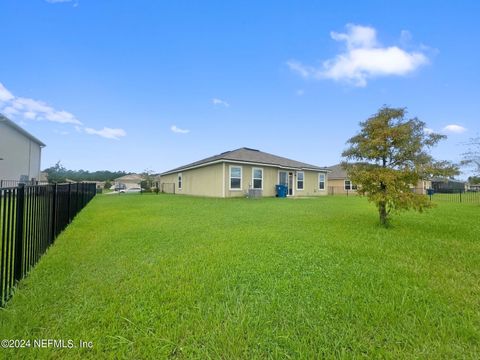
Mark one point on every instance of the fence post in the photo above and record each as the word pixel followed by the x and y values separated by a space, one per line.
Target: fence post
pixel 460 196
pixel 69 200
pixel 54 214
pixel 17 274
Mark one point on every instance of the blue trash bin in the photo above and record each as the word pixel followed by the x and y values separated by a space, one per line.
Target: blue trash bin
pixel 281 191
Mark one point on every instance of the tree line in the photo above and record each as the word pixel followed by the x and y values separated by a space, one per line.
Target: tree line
pixel 58 174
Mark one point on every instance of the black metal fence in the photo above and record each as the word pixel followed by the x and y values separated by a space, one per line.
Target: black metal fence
pixel 31 217
pixel 455 195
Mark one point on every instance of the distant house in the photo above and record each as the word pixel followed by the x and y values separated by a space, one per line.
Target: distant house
pixel 338 181
pixel 422 186
pixel 238 172
pixel 474 187
pixel 446 185
pixel 20 152
pixel 127 182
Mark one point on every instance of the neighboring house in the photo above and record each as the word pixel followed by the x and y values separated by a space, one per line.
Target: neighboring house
pixel 474 187
pixel 20 152
pixel 127 182
pixel 446 185
pixel 422 186
pixel 338 181
pixel 234 173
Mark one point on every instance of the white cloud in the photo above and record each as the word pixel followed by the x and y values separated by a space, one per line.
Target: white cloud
pixel 5 95
pixel 177 130
pixel 428 130
pixel 61 132
pixel 364 58
pixel 216 101
pixel 300 69
pixel 30 109
pixel 107 132
pixel 33 109
pixel 453 128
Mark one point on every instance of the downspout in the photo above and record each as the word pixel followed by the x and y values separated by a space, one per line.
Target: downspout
pixel 223 177
pixel 29 158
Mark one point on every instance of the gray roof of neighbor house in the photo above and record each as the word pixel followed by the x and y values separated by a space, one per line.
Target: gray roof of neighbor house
pixel 337 172
pixel 248 155
pixel 10 123
pixel 446 180
pixel 130 177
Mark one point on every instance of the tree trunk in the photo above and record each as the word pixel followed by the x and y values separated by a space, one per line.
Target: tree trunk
pixel 382 211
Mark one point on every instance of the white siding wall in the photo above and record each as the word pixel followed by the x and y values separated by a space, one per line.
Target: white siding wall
pixel 21 156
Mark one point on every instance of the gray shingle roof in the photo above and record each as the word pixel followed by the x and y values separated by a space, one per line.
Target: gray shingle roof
pixel 252 156
pixel 337 172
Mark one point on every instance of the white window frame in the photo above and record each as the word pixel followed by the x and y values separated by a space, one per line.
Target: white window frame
pixel 324 181
pixel 180 181
pixel 303 180
pixel 253 178
pixel 230 177
pixel 345 185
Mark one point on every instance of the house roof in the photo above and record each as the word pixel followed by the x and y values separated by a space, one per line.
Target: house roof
pixel 248 155
pixel 10 123
pixel 130 177
pixel 337 172
pixel 446 180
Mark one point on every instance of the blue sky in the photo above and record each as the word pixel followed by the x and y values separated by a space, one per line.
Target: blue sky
pixel 135 85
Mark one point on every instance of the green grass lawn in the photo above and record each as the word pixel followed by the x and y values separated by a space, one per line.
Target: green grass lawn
pixel 145 276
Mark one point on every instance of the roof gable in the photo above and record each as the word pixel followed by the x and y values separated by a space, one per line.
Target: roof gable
pixel 22 131
pixel 337 172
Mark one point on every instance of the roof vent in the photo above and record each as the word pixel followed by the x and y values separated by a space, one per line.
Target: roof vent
pixel 246 148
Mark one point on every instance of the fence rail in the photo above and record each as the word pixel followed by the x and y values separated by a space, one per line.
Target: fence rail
pixel 341 190
pixel 14 183
pixel 31 217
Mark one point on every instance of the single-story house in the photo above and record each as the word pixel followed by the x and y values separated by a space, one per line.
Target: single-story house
pixel 127 182
pixel 474 187
pixel 20 153
pixel 338 181
pixel 234 173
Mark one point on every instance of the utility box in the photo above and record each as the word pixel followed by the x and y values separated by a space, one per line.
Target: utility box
pixel 254 193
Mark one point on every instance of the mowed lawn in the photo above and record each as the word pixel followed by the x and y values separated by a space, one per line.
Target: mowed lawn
pixel 147 277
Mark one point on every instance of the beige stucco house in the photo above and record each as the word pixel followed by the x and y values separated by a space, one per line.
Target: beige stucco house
pixel 127 182
pixel 338 181
pixel 20 152
pixel 236 173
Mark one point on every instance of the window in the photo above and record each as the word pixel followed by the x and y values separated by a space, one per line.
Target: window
pixel 300 177
pixel 235 178
pixel 180 178
pixel 349 185
pixel 257 178
pixel 321 181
